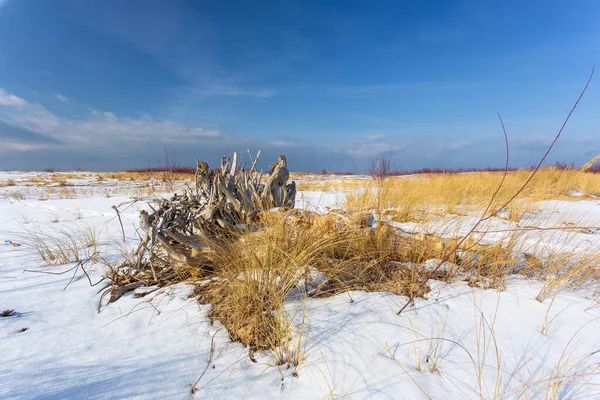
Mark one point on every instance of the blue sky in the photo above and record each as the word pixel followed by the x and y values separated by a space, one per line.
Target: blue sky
pixel 107 85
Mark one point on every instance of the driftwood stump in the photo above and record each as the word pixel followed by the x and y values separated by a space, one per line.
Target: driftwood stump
pixel 181 232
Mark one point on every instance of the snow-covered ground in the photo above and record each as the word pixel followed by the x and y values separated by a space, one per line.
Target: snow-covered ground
pixel 460 343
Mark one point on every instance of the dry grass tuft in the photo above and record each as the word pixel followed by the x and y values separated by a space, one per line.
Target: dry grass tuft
pixel 251 309
pixel 570 270
pixel 63 246
pixel 19 196
pixel 7 313
pixel 67 194
pixel 9 182
pixel 254 275
pixel 299 253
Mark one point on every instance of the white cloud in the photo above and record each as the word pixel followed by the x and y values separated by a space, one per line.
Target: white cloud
pixel 402 146
pixel 27 127
pixel 283 143
pixel 530 141
pixel 10 100
pixel 61 97
pixel 99 129
pixel 368 146
pixel 458 145
pixel 16 146
pixel 229 89
pixel 374 137
pixel 127 141
pixel 205 133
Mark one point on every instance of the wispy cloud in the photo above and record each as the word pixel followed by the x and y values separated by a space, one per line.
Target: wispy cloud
pixel 17 138
pixel 373 137
pixel 171 33
pixel 403 147
pixel 530 141
pixel 34 137
pixel 283 143
pixel 367 146
pixel 62 98
pixel 10 100
pixel 232 90
pixel 459 145
pixel 99 129
pixel 105 140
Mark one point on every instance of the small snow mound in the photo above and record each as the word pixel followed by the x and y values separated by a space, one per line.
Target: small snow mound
pixel 575 193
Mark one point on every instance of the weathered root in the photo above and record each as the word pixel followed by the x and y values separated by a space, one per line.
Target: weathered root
pixel 182 233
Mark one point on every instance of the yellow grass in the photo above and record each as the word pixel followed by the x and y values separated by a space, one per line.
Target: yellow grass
pixel 411 194
pixel 9 182
pixel 144 176
pixel 65 245
pixel 256 273
pixel 330 185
